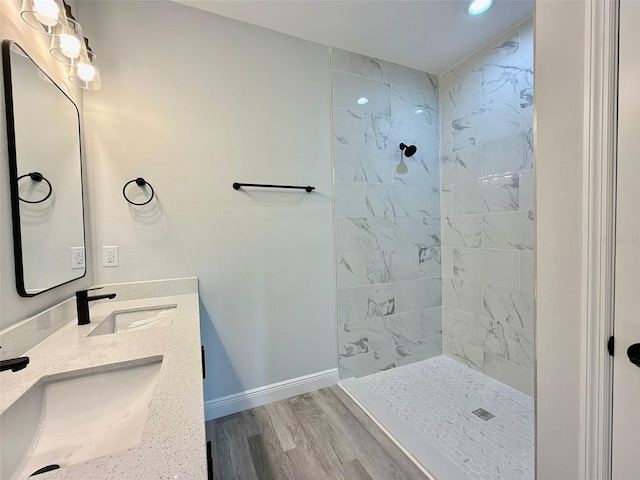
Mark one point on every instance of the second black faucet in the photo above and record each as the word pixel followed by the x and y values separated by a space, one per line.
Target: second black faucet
pixel 82 303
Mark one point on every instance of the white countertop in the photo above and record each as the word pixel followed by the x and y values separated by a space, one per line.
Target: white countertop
pixel 173 444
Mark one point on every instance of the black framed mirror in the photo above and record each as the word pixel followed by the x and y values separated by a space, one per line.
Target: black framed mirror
pixel 45 174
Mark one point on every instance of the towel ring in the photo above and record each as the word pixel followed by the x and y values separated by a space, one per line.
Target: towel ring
pixel 141 182
pixel 36 177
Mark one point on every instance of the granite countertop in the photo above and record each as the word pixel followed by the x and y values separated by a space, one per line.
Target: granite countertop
pixel 173 444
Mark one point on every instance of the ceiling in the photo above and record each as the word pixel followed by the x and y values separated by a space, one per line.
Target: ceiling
pixel 430 35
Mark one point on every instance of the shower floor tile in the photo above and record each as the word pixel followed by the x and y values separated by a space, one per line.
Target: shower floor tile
pixel 437 408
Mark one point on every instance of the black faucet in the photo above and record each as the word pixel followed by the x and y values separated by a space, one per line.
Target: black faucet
pixel 14 364
pixel 82 303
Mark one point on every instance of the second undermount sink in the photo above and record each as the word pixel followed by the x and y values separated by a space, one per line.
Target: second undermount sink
pixel 135 319
pixel 65 421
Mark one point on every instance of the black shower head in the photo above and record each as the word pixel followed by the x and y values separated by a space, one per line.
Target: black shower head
pixel 409 150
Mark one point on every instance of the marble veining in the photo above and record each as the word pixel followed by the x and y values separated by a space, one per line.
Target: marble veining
pixel 429 204
pixel 446 255
pixel 428 82
pixel 410 232
pixel 418 294
pixel 386 133
pixel 526 190
pixel 463 295
pixel 414 105
pixel 350 199
pixel 509 305
pixel 382 343
pixel 388 210
pixel 499 49
pixel 509 154
pixel 487 123
pixel 508 76
pixel 526 110
pixel 420 172
pixel 479 265
pixel 404 264
pixel 467 355
pixel 347 89
pixel 360 234
pixel 366 302
pixel 499 193
pixel 429 262
pixel 500 339
pixel 462 231
pixel 510 230
pixel 348 127
pixel 353 164
pixel 430 322
pixel 461 166
pixel 389 72
pixel 391 200
pixel 487 205
pixel 345 61
pixel 526 270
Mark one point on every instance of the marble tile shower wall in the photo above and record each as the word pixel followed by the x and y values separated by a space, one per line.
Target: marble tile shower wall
pixel 387 216
pixel 487 209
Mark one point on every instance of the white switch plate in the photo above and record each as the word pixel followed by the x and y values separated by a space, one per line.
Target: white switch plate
pixel 109 256
pixel 77 258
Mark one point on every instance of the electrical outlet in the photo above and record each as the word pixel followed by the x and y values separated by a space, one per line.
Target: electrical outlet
pixel 109 256
pixel 77 257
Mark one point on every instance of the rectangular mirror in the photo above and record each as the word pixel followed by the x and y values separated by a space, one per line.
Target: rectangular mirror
pixel 45 173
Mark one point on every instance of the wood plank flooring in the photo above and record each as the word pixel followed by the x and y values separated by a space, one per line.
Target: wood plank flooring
pixel 322 435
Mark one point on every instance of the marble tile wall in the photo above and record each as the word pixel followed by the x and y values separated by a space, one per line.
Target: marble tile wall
pixel 486 165
pixel 388 225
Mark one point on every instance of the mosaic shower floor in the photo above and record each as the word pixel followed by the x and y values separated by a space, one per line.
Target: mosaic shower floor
pixel 428 407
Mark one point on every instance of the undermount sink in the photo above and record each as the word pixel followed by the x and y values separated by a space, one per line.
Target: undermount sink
pixel 71 420
pixel 135 319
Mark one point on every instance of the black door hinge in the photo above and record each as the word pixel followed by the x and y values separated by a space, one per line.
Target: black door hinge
pixel 610 345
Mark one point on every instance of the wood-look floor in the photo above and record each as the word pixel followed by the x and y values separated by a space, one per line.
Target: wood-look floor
pixel 320 435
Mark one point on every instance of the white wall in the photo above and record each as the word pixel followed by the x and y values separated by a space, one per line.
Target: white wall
pixel 13 307
pixel 194 102
pixel 559 93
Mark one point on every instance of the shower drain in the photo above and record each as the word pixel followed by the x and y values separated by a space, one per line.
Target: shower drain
pixel 483 414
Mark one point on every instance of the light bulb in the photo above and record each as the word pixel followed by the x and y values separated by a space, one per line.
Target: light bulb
pixel 46 12
pixel 69 45
pixel 476 7
pixel 86 72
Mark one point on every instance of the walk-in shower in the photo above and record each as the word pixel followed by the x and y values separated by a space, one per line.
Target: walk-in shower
pixel 435 253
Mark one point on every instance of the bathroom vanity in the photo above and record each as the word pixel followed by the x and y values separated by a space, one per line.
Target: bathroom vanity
pixel 120 397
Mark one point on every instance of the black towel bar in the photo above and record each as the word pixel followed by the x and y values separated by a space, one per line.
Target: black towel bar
pixel 237 186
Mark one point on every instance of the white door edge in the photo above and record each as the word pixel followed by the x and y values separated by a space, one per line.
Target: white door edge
pixel 601 89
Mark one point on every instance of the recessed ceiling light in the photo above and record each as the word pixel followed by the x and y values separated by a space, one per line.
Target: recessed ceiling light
pixel 476 7
pixel 363 100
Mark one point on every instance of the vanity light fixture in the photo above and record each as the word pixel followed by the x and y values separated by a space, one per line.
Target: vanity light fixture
pixel 46 16
pixel 478 7
pixel 68 47
pixel 84 73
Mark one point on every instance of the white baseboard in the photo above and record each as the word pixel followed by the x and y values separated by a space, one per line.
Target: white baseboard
pixel 219 407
